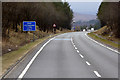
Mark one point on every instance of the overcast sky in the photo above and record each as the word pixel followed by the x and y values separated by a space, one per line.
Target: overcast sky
pixel 85 7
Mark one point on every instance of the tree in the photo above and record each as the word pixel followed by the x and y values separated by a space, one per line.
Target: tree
pixel 108 14
pixel 44 13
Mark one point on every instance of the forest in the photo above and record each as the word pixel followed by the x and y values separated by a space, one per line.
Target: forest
pixel 44 13
pixel 109 15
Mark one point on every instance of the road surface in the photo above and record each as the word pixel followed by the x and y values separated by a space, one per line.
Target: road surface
pixel 69 55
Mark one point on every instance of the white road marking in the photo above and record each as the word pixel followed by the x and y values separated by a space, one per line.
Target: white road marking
pixel 74 45
pixel 88 63
pixel 77 51
pixel 102 44
pixel 97 74
pixel 29 64
pixel 81 56
pixel 76 48
pixel 72 41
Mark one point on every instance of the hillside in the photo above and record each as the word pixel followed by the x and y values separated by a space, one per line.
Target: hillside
pixel 95 23
pixel 88 23
pixel 84 17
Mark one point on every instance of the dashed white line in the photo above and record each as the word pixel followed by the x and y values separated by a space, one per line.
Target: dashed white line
pixel 77 51
pixel 88 63
pixel 75 47
pixel 81 56
pixel 72 40
pixel 97 74
pixel 29 64
pixel 73 43
pixel 102 44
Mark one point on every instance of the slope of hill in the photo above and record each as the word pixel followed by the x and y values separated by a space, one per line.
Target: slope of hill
pixel 95 23
pixel 88 23
pixel 83 17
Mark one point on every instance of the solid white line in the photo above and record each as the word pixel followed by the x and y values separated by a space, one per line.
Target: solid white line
pixel 97 74
pixel 88 63
pixel 81 56
pixel 102 44
pixel 77 51
pixel 29 64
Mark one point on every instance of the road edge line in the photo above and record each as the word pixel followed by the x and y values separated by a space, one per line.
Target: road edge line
pixel 32 60
pixel 101 44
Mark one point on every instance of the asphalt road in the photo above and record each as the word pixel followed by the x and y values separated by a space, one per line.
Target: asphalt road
pixel 69 55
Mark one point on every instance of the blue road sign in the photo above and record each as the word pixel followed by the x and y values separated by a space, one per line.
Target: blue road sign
pixel 29 26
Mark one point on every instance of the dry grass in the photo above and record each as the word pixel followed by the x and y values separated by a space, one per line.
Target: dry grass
pixel 101 30
pixel 18 39
pixel 107 39
pixel 10 58
pixel 103 40
pixel 107 36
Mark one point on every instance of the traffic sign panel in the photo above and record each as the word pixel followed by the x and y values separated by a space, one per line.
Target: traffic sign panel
pixel 54 25
pixel 29 26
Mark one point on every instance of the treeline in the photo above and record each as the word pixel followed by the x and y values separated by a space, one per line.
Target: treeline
pixel 44 13
pixel 109 15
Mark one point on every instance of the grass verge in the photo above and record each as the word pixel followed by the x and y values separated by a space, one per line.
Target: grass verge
pixel 11 58
pixel 104 41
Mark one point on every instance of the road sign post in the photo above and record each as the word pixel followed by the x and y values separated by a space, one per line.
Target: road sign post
pixel 54 28
pixel 29 26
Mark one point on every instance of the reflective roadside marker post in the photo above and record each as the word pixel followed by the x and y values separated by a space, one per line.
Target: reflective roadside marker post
pixel 29 26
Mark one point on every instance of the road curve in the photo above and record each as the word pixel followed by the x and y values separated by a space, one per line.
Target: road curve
pixel 69 55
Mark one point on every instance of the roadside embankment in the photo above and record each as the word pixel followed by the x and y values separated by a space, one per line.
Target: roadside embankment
pixel 106 39
pixel 11 58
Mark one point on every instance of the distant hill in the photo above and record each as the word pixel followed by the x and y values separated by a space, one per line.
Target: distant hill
pixel 87 23
pixel 95 23
pixel 84 17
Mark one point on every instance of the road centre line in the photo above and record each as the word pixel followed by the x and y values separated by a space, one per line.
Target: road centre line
pixel 72 42
pixel 88 63
pixel 76 48
pixel 74 45
pixel 81 56
pixel 77 51
pixel 97 74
